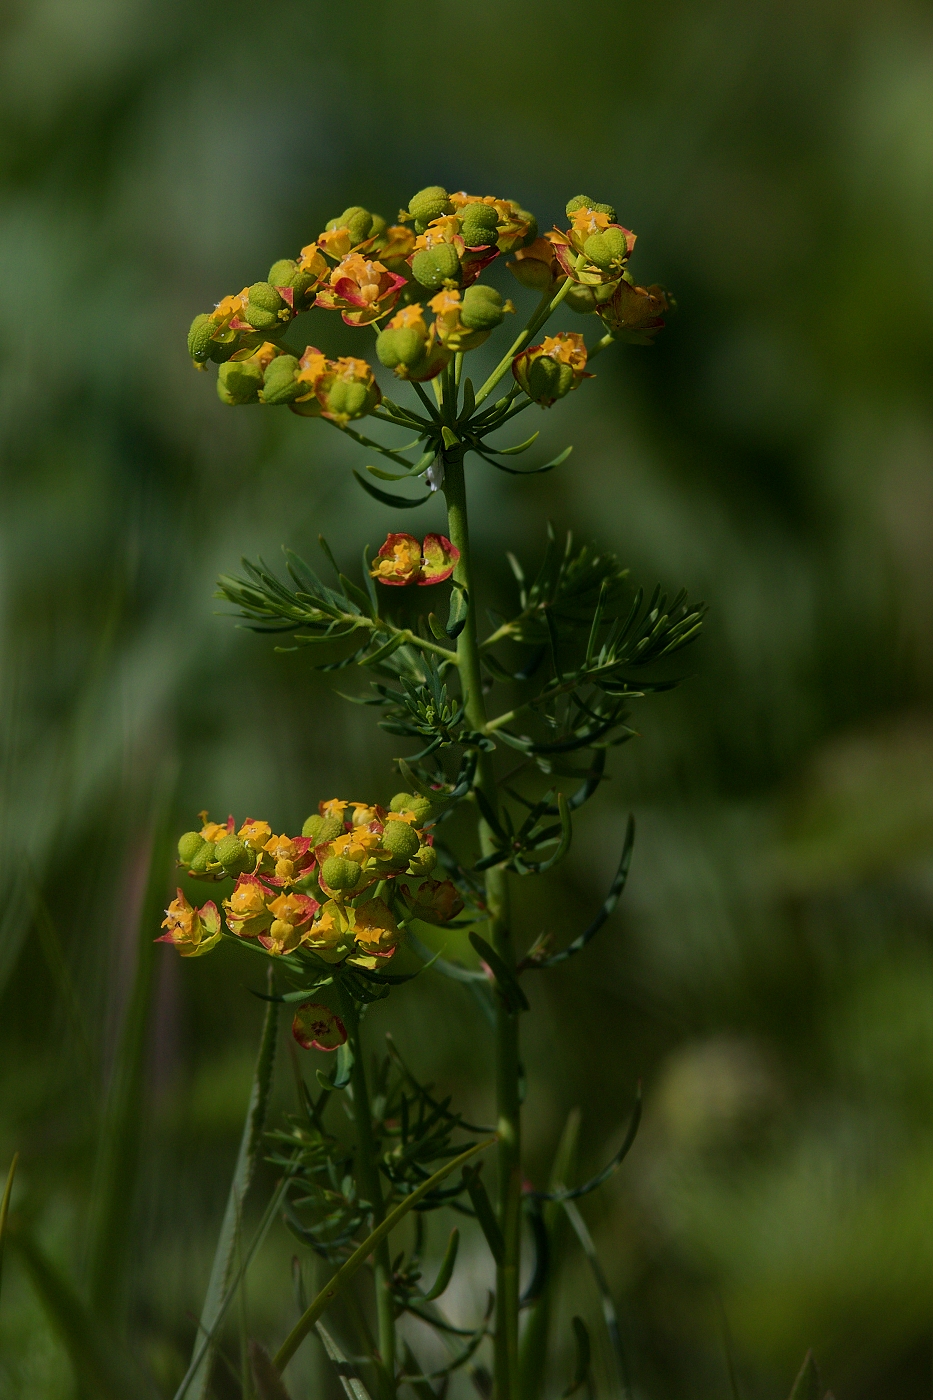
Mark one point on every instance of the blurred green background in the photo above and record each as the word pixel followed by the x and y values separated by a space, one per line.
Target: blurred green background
pixel 769 974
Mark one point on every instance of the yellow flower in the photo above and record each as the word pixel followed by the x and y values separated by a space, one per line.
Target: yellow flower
pixel 311 260
pixel 333 807
pixel 359 845
pixel 247 915
pixel 594 250
pixel 337 389
pixel 375 929
pixel 363 290
pixel 329 935
pixel 192 931
pixel 316 1027
pixel 291 917
pixel 399 561
pixel 255 834
pixel 215 831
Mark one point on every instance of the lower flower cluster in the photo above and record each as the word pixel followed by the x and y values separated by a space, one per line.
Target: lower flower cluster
pixel 341 891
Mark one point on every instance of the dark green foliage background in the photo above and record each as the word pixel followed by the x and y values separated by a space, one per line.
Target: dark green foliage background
pixel 769 973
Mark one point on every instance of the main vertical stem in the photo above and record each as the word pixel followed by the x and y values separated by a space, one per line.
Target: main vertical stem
pixel 371 1187
pixel 497 901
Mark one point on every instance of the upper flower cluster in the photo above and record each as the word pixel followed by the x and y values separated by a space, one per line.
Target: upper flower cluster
pixel 334 891
pixel 416 281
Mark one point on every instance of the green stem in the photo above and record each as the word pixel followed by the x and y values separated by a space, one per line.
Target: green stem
pixel 371 1188
pixel 497 901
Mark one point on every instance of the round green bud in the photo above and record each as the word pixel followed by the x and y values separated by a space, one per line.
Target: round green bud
pixel 356 220
pixel 202 858
pixel 282 272
pixel 423 861
pixel 428 204
pixel 189 845
pixel 402 346
pixel 239 381
pixel 606 209
pixel 338 873
pixel 400 840
pixel 532 223
pixel 347 397
pixel 200 338
pixel 432 267
pixel 263 307
pixel 331 828
pixel 579 201
pixel 606 249
pixel 312 826
pixel 234 856
pixel 547 379
pixel 478 225
pixel 279 384
pixel 581 299
pixel 419 807
pixel 482 308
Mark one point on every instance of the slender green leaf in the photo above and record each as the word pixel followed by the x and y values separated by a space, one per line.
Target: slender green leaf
pixel 459 611
pixel 479 1199
pixel 359 1256
pixel 609 904
pixel 343 1068
pixel 506 982
pixel 356 595
pixel 581 1369
pixel 610 1317
pixel 445 1272
pixel 248 1156
pixel 396 502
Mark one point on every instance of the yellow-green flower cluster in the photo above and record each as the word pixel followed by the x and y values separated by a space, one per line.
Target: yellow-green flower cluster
pixel 334 891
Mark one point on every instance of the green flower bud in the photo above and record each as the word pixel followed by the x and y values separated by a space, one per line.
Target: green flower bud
pixel 419 807
pixel 189 845
pixel 322 829
pixel 348 399
pixel 478 225
pixel 581 299
pixel 548 379
pixel 339 873
pixel 223 350
pixel 606 249
pixel 532 223
pixel 239 381
pixel 202 858
pixel 357 220
pixel 287 273
pixel 234 856
pixel 583 201
pixel 428 204
pixel 423 861
pixel 279 384
pixel 482 308
pixel 379 226
pixel 262 311
pixel 401 841
pixel 432 267
pixel 403 346
pixel 200 338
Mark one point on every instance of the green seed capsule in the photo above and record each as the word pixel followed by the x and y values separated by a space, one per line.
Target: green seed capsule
pixel 189 845
pixel 402 346
pixel 200 338
pixel 428 204
pixel 419 807
pixel 432 267
pixel 203 858
pixel 400 840
pixel 311 827
pixel 338 873
pixel 606 249
pixel 482 308
pixel 279 384
pixel 234 856
pixel 239 381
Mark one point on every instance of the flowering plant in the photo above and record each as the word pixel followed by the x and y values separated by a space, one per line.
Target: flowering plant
pixel 330 909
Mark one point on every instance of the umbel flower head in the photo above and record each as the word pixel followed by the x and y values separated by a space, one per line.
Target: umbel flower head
pixel 418 284
pixel 316 893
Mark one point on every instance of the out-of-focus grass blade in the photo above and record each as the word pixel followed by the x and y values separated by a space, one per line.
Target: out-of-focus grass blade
pixel 269 1384
pixel 125 1114
pixel 807 1384
pixel 610 1316
pixel 98 1368
pixel 5 1207
pixel 351 1383
pixel 248 1156
pixel 57 963
pixel 532 1359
